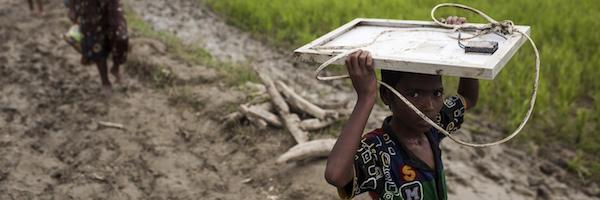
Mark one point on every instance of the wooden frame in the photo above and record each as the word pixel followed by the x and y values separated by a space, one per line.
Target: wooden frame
pixel 448 61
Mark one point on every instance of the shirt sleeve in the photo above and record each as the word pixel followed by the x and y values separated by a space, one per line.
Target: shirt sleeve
pixel 367 174
pixel 452 114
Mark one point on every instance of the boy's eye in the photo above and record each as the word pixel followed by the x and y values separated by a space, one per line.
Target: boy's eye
pixel 414 94
pixel 438 93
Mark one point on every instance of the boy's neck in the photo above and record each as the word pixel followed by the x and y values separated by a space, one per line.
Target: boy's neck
pixel 404 133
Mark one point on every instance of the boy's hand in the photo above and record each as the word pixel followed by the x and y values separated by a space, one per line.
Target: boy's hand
pixel 454 20
pixel 361 70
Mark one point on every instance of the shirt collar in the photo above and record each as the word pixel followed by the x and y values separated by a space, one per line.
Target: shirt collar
pixel 416 162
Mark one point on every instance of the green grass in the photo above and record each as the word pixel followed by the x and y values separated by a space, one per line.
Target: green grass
pixel 156 75
pixel 186 97
pixel 192 54
pixel 568 98
pixel 234 74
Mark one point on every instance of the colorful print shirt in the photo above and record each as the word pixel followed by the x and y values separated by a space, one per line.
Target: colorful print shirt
pixel 387 170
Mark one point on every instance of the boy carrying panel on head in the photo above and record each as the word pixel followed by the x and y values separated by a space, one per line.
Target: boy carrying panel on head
pixel 387 169
pixel 401 160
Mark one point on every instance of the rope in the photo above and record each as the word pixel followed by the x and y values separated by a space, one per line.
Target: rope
pixel 505 27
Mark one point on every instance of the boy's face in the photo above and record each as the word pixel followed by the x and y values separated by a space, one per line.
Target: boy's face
pixel 424 91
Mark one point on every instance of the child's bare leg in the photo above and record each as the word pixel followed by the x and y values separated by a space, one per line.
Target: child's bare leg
pixel 40 7
pixel 30 5
pixel 117 73
pixel 103 69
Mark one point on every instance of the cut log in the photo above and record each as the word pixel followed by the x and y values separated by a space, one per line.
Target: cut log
pixel 302 104
pixel 259 112
pixel 292 123
pixel 276 98
pixel 315 148
pixel 259 123
pixel 267 105
pixel 334 105
pixel 315 124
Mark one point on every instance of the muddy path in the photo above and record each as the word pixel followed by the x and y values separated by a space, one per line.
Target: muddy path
pixel 494 173
pixel 173 147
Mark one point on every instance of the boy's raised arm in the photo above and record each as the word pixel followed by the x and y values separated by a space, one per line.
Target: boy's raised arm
pixel 340 162
pixel 468 88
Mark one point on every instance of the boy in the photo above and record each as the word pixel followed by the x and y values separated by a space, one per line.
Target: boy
pixel 401 160
pixel 104 30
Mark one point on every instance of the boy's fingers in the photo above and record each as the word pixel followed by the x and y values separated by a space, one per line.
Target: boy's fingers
pixel 362 60
pixel 369 62
pixel 354 60
pixel 349 58
pixel 349 66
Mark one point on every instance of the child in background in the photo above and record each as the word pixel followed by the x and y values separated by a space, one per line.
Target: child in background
pixel 104 31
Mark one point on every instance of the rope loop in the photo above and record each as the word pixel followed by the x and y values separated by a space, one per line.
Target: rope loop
pixel 505 27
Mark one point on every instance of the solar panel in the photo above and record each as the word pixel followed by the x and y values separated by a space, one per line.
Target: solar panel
pixel 418 46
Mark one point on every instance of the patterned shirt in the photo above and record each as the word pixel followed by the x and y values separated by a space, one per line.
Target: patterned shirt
pixel 387 170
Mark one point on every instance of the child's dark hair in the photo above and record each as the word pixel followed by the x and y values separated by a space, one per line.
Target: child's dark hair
pixel 392 78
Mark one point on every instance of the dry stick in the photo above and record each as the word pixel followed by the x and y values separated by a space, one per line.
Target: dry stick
pixel 302 104
pixel 276 98
pixel 265 105
pixel 231 117
pixel 257 111
pixel 291 121
pixel 336 104
pixel 259 123
pixel 111 125
pixel 315 148
pixel 315 124
pixel 345 111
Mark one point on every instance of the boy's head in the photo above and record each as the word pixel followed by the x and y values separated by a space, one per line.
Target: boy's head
pixel 422 90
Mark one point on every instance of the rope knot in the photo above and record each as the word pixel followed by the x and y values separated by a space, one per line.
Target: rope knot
pixel 505 27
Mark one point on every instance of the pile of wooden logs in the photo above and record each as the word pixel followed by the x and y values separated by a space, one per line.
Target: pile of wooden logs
pixel 283 109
